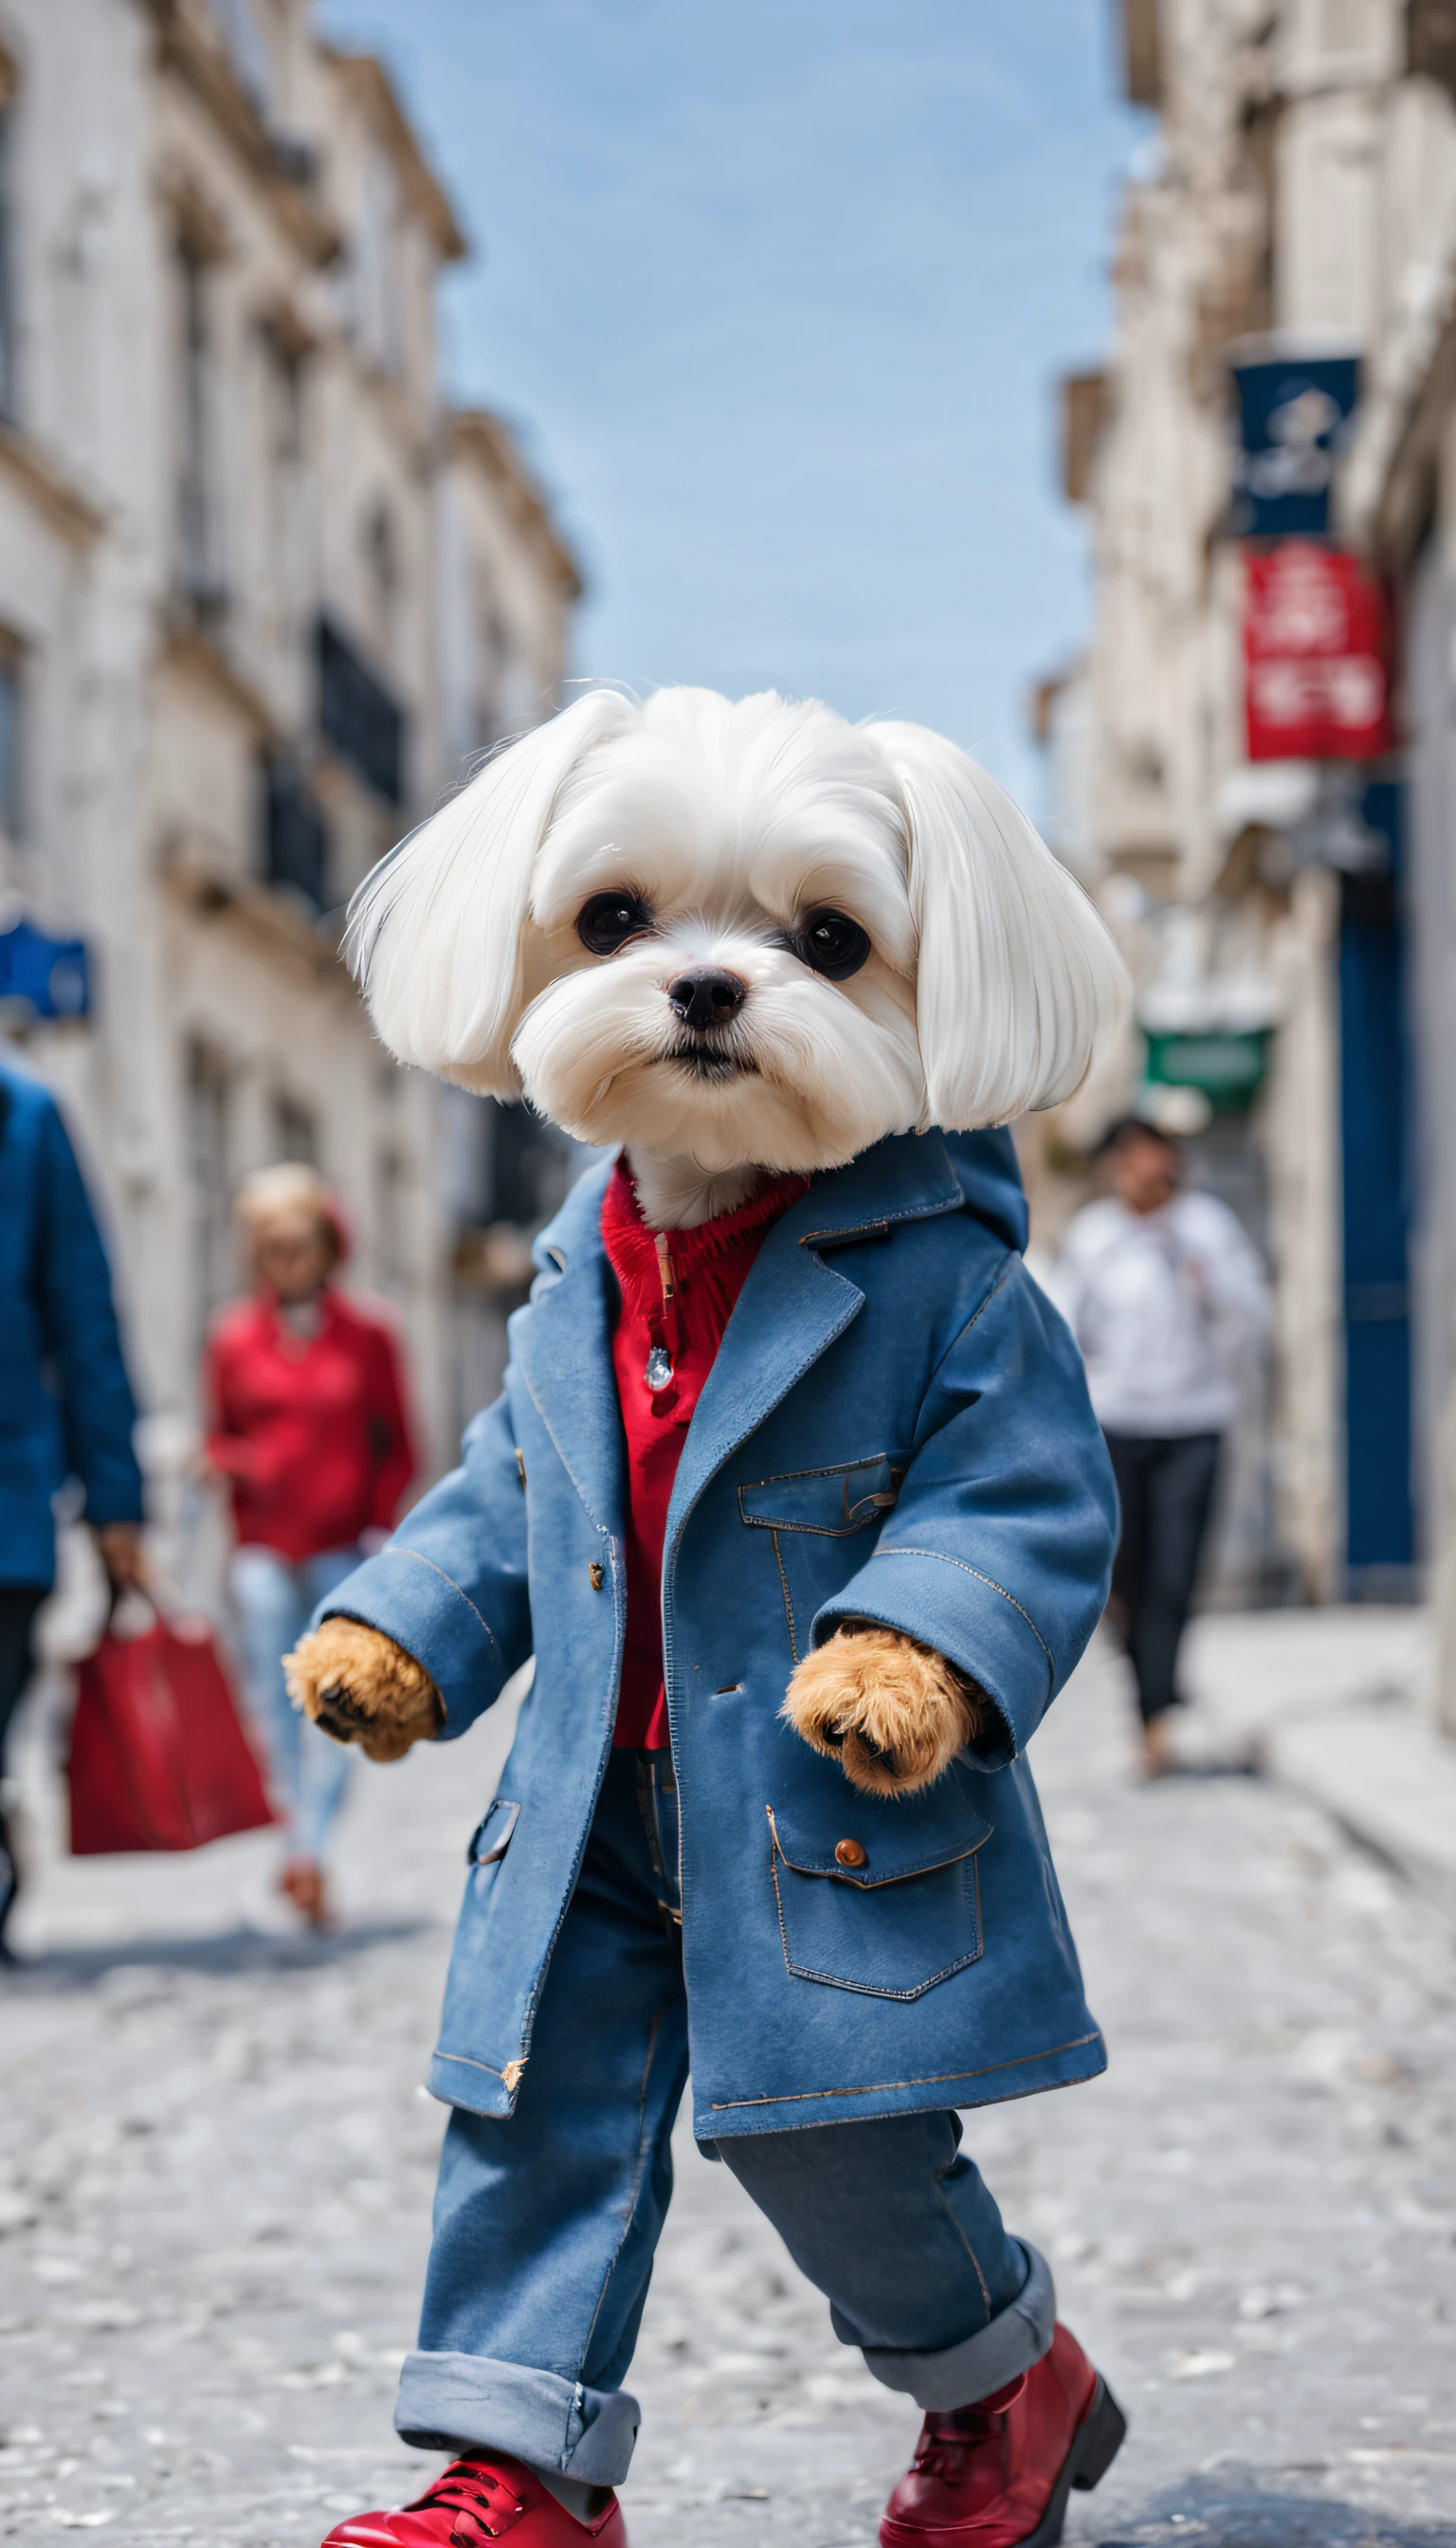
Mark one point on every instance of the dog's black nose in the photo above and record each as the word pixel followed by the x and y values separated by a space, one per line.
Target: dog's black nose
pixel 704 997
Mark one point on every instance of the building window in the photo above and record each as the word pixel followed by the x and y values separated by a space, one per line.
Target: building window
pixel 295 1130
pixel 378 298
pixel 7 249
pixel 208 1097
pixel 11 698
pixel 392 1222
pixel 295 834
pixel 197 525
pixel 382 577
pixel 357 713
pixel 1430 41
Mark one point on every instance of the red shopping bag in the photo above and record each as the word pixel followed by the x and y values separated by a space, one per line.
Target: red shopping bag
pixel 159 1758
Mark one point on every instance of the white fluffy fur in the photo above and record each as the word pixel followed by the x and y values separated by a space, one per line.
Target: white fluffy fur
pixel 990 981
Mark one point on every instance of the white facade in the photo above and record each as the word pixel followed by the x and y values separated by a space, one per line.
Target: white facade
pixel 1254 225
pixel 1399 504
pixel 261 600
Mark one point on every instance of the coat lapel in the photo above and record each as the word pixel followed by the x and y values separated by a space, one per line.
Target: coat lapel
pixel 561 1345
pixel 794 1305
pixel 790 1311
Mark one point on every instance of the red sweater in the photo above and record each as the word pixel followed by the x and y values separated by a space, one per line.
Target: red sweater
pixel 313 1432
pixel 679 1289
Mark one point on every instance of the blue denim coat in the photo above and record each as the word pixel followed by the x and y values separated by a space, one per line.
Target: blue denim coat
pixel 65 1403
pixel 895 1428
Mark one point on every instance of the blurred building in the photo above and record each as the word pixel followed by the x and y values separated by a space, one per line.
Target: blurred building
pixel 1397 505
pixel 262 598
pixel 1239 768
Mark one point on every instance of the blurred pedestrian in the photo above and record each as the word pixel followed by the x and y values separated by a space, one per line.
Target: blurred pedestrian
pixel 67 1408
pixel 1163 1293
pixel 310 1426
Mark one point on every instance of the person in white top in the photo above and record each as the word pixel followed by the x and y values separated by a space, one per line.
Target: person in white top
pixel 1163 1293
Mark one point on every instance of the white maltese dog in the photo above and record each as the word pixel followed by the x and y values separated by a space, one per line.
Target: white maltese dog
pixel 736 937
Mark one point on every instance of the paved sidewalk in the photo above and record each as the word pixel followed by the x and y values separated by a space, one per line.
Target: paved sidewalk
pixel 216 2169
pixel 1340 1705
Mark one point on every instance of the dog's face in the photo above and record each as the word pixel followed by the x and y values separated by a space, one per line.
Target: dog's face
pixel 724 944
pixel 736 934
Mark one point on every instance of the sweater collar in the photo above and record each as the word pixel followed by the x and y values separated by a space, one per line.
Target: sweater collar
pixel 634 1252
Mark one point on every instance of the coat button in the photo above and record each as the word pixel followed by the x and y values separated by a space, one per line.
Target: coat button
pixel 596 1575
pixel 850 1852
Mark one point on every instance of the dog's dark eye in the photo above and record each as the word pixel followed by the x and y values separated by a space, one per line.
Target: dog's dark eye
pixel 609 920
pixel 831 945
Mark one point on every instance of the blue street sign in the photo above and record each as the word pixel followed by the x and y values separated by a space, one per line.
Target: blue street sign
pixel 52 975
pixel 1294 417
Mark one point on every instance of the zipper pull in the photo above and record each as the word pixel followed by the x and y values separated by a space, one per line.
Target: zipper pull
pixel 659 1372
pixel 666 1270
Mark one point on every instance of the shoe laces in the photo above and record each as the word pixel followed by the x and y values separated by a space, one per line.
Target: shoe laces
pixel 477 2488
pixel 947 2439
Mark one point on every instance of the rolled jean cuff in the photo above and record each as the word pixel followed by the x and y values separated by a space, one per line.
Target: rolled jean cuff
pixel 449 2399
pixel 981 2364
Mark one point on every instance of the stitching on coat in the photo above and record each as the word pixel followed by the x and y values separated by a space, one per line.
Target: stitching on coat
pixel 455 1587
pixel 788 1604
pixel 838 1981
pixel 588 1506
pixel 837 1469
pixel 884 2087
pixel 760 1413
pixel 834 1469
pixel 989 1579
pixel 620 1625
pixel 1003 1274
pixel 467 2064
pixel 891 1220
pixel 867 1990
pixel 922 1867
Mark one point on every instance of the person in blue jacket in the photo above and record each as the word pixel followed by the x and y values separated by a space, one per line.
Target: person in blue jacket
pixel 795 1496
pixel 67 1409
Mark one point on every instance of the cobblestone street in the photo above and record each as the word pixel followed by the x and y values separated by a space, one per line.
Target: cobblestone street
pixel 216 2169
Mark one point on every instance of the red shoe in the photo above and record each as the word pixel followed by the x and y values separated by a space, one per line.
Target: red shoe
pixel 997 2475
pixel 483 2496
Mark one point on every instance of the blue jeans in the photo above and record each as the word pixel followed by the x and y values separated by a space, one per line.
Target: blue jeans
pixel 274 1601
pixel 545 2223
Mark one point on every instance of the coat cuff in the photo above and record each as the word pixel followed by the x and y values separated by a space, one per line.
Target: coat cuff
pixel 413 1600
pixel 974 1622
pixel 115 1499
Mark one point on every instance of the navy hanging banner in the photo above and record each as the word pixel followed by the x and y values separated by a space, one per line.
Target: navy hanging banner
pixel 1294 417
pixel 49 976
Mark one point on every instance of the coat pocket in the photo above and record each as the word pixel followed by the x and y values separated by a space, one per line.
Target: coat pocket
pixel 889 1913
pixel 814 1518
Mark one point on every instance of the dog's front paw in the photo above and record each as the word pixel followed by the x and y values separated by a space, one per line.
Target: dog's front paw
pixel 892 1712
pixel 363 1688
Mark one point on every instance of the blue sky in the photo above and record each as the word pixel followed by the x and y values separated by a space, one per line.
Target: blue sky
pixel 779 290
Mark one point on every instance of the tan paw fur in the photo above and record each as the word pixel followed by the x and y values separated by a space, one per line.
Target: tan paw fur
pixel 891 1712
pixel 363 1688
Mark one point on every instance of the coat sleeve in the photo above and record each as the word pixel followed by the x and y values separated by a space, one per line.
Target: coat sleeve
pixel 999 1550
pixel 78 1323
pixel 451 1586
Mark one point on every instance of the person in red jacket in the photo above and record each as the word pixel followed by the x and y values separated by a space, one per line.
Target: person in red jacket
pixel 309 1428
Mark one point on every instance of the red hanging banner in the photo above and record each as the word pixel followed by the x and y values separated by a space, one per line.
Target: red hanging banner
pixel 1316 647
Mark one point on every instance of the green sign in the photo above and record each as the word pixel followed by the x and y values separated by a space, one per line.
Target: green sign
pixel 1226 1067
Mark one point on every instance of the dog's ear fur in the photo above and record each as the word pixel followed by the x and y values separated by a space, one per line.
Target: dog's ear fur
pixel 435 931
pixel 1017 980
